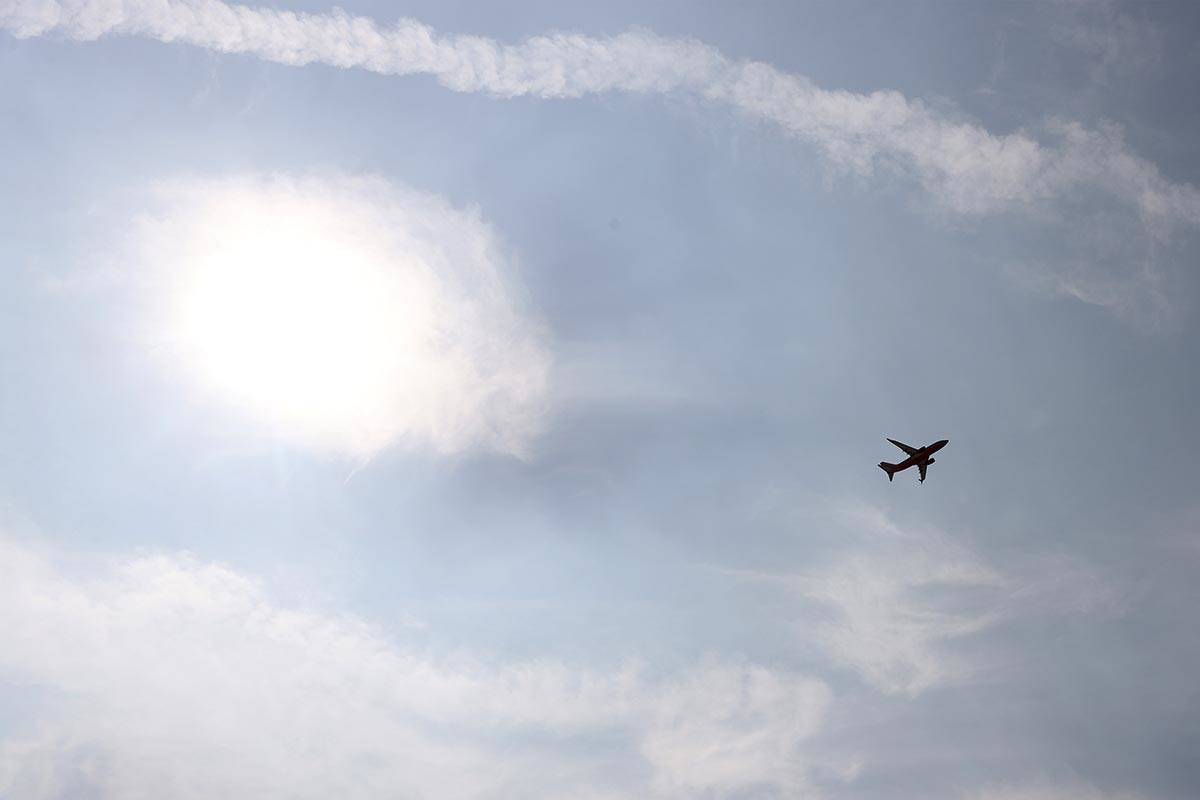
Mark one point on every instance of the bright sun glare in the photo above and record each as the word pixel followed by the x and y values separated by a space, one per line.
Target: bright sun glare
pixel 343 313
pixel 294 324
pixel 298 323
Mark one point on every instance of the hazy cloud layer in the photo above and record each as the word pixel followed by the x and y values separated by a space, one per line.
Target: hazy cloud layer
pixel 346 313
pixel 164 676
pixel 965 167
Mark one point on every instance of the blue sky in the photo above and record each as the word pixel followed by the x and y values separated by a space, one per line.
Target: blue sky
pixel 457 400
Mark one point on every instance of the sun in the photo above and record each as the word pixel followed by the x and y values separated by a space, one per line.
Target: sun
pixel 341 313
pixel 293 323
pixel 298 321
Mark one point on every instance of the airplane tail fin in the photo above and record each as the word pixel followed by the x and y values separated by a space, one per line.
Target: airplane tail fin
pixel 890 469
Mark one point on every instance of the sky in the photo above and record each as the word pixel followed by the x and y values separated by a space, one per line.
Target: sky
pixel 474 400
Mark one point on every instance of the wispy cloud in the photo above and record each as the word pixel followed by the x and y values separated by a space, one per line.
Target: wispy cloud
pixel 892 599
pixel 1049 791
pixel 885 624
pixel 165 676
pixel 1115 41
pixel 966 168
pixel 896 597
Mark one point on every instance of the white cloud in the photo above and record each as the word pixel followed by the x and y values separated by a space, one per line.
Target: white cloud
pixel 966 168
pixel 1114 41
pixel 1134 289
pixel 882 625
pixel 165 677
pixel 892 598
pixel 895 597
pixel 886 634
pixel 1044 791
pixel 345 313
pixel 730 728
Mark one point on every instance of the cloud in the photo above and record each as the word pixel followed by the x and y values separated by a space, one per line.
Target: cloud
pixel 1075 791
pixel 895 601
pixel 895 597
pixel 1114 41
pixel 966 168
pixel 729 729
pixel 892 598
pixel 344 313
pixel 167 677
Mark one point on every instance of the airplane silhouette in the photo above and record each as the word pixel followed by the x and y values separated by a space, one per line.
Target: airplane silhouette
pixel 920 456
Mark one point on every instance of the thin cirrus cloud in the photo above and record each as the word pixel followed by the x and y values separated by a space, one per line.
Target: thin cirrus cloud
pixel 165 676
pixel 895 598
pixel 890 602
pixel 967 169
pixel 1049 791
pixel 344 313
pixel 883 624
pixel 882 631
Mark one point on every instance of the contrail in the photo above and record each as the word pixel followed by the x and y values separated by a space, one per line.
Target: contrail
pixel 965 167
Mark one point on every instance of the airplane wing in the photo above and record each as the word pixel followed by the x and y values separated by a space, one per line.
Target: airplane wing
pixel 924 465
pixel 903 446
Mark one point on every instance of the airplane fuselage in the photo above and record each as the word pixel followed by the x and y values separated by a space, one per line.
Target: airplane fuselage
pixel 922 455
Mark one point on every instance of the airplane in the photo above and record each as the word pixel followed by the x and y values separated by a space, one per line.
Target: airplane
pixel 920 456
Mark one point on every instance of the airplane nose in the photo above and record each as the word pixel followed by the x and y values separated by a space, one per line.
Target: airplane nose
pixel 943 442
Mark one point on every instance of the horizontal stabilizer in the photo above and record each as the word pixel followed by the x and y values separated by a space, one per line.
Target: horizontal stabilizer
pixel 890 469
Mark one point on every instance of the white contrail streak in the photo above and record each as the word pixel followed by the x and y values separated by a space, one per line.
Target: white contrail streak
pixel 965 167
